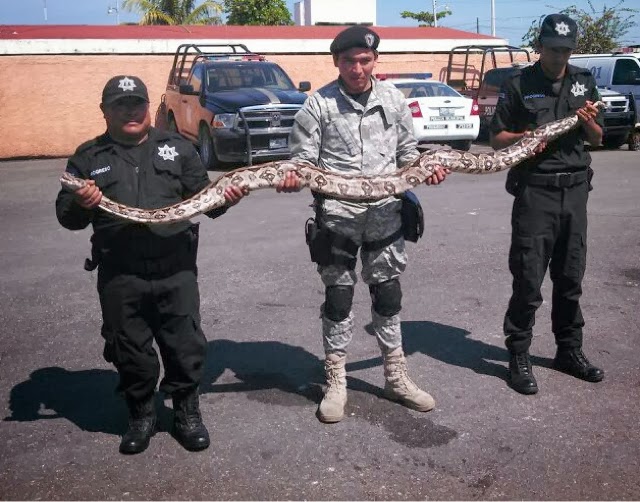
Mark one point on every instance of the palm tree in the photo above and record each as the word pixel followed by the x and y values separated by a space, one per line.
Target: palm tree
pixel 175 11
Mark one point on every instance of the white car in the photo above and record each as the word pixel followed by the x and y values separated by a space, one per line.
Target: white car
pixel 440 114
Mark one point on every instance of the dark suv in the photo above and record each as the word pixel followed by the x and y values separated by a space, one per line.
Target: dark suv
pixel 233 104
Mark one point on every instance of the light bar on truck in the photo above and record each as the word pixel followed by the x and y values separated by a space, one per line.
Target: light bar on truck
pixel 236 57
pixel 385 76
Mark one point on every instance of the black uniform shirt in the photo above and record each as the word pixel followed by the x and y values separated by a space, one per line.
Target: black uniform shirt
pixel 162 171
pixel 529 99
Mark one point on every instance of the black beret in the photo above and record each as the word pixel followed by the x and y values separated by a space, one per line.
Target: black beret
pixel 355 36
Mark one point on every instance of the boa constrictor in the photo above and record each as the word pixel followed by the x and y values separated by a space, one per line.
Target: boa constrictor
pixel 348 187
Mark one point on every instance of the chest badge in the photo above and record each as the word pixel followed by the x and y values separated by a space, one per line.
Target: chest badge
pixel 167 152
pixel 578 89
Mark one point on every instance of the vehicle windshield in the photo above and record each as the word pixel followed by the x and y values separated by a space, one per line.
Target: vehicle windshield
pixel 238 75
pixel 426 89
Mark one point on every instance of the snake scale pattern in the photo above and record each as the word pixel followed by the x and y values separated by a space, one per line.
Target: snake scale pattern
pixel 348 187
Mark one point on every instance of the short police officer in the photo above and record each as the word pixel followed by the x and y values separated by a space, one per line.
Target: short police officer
pixel 358 125
pixel 549 218
pixel 147 275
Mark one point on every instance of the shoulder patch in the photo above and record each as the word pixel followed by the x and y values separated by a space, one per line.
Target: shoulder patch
pixel 87 145
pixel 575 70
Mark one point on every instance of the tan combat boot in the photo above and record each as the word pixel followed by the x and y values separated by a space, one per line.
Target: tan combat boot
pixel 398 385
pixel 331 408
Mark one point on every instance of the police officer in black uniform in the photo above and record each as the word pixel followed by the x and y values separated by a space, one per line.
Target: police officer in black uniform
pixel 549 218
pixel 147 275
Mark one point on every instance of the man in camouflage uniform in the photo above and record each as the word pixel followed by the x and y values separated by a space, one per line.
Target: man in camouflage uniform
pixel 359 125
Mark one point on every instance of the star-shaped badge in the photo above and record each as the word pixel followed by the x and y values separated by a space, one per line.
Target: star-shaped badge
pixel 562 28
pixel 578 89
pixel 126 84
pixel 167 152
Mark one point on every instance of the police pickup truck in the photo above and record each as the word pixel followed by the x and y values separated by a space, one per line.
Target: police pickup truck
pixel 234 105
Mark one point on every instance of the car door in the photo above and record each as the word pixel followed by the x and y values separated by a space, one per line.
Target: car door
pixel 191 103
pixel 626 77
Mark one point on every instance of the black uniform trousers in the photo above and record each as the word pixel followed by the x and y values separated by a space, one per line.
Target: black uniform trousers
pixel 549 230
pixel 142 302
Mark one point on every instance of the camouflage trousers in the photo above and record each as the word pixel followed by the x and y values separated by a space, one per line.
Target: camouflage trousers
pixel 364 223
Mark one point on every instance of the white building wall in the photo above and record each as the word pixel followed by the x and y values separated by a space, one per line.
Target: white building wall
pixel 311 12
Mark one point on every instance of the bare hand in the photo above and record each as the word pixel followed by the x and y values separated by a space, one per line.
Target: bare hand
pixel 438 176
pixel 290 183
pixel 541 146
pixel 89 196
pixel 587 113
pixel 233 194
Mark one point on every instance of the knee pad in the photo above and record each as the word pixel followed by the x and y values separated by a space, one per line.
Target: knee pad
pixel 337 302
pixel 386 297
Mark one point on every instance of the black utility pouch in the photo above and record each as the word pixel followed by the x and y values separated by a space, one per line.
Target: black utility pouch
pixel 513 184
pixel 412 217
pixel 319 242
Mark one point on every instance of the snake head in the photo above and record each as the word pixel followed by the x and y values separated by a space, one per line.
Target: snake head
pixel 71 183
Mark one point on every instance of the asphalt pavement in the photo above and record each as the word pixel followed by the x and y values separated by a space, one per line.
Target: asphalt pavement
pixel 61 420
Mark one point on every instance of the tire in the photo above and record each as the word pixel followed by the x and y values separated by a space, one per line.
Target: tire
pixel 461 144
pixel 171 123
pixel 614 141
pixel 205 148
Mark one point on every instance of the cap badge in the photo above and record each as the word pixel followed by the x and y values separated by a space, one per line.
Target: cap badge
pixel 562 28
pixel 578 89
pixel 126 84
pixel 369 39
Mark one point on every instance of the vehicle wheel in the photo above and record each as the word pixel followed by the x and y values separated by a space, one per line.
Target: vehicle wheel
pixel 207 153
pixel 614 141
pixel 171 123
pixel 462 145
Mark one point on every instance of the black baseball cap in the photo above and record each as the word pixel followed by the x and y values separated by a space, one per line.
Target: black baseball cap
pixel 355 36
pixel 122 86
pixel 558 30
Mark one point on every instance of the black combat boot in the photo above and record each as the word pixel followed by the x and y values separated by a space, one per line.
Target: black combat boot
pixel 188 427
pixel 521 374
pixel 573 362
pixel 142 424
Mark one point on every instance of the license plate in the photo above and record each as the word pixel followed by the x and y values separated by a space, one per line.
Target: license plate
pixel 464 126
pixel 489 110
pixel 446 117
pixel 277 143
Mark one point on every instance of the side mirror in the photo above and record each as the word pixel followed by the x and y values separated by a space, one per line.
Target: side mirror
pixel 304 86
pixel 186 89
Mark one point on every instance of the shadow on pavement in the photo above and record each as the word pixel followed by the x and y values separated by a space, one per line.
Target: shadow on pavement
pixel 272 365
pixel 86 398
pixel 453 346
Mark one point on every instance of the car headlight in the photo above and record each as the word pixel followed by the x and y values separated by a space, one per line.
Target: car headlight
pixel 224 121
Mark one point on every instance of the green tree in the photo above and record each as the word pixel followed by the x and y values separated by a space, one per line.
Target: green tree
pixel 425 17
pixel 597 31
pixel 257 12
pixel 175 11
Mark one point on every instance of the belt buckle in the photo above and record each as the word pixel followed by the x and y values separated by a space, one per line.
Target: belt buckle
pixel 564 180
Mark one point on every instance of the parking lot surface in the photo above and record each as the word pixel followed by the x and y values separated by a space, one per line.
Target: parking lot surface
pixel 61 420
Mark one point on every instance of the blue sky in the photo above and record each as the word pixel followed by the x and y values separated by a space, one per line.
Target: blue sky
pixel 513 17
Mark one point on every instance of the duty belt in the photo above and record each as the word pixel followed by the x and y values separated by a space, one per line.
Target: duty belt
pixel 558 180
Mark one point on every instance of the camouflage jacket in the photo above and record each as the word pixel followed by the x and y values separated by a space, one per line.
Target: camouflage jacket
pixel 336 133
